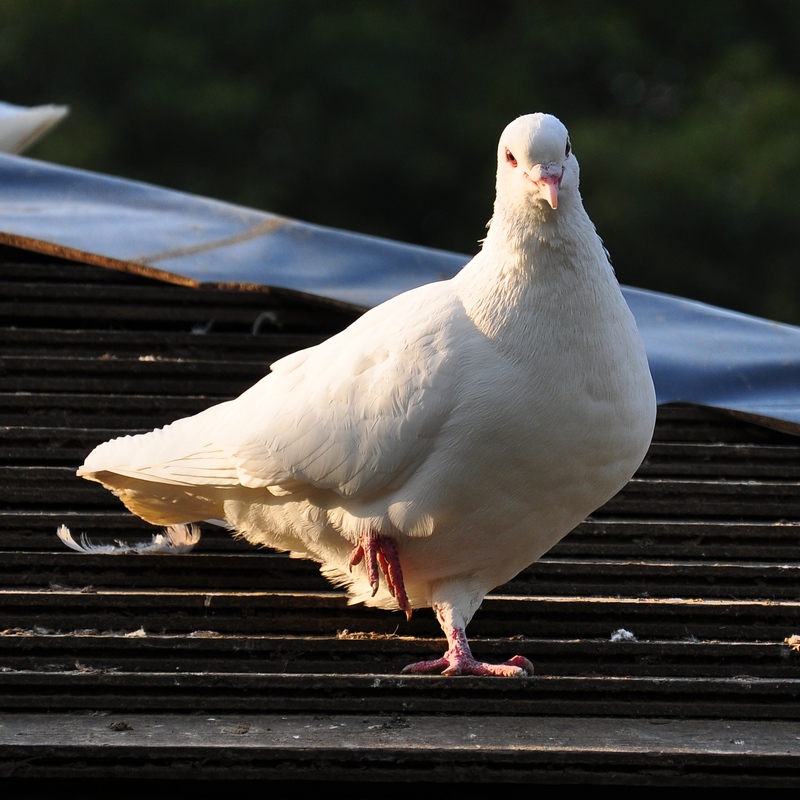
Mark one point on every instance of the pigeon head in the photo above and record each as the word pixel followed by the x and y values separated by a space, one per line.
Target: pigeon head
pixel 535 161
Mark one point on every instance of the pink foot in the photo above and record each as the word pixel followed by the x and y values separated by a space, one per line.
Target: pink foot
pixel 449 664
pixel 379 554
pixel 458 659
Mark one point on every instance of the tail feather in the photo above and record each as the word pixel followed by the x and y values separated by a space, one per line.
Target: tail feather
pixel 175 454
pixel 170 475
pixel 164 503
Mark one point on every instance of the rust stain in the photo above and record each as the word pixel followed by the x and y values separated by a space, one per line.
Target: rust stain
pixel 73 254
pixel 136 268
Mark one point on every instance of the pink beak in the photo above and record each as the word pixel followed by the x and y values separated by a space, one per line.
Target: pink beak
pixel 549 187
pixel 549 182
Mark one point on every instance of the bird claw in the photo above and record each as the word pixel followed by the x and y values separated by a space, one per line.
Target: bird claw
pixel 458 660
pixel 379 554
pixel 452 664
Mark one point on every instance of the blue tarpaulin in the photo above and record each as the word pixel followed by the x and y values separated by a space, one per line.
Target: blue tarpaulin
pixel 698 353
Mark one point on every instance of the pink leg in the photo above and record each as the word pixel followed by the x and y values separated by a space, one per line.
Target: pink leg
pixel 458 660
pixel 379 554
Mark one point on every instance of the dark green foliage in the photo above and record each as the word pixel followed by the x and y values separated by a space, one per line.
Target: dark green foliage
pixel 383 117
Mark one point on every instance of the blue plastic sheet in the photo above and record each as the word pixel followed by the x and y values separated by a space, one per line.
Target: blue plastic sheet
pixel 698 353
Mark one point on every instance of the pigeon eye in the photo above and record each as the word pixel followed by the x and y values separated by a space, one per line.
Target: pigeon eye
pixel 510 158
pixel 568 150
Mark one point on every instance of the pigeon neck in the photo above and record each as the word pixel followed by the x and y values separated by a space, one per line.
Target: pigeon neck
pixel 527 241
pixel 524 225
pixel 527 258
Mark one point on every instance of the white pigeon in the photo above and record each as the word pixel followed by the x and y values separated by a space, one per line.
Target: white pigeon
pixel 446 439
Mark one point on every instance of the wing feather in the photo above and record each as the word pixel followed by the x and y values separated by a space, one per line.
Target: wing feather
pixel 357 410
pixel 349 415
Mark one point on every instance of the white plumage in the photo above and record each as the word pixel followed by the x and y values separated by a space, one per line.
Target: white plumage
pixel 447 438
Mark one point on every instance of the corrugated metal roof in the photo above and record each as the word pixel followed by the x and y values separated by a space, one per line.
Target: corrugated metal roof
pixel 232 662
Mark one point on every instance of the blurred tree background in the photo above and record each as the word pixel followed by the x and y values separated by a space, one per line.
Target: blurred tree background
pixel 383 118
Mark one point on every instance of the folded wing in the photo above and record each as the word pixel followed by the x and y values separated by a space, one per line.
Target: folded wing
pixel 346 416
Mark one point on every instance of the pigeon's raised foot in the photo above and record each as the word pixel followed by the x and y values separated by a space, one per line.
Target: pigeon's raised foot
pixel 379 554
pixel 458 660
